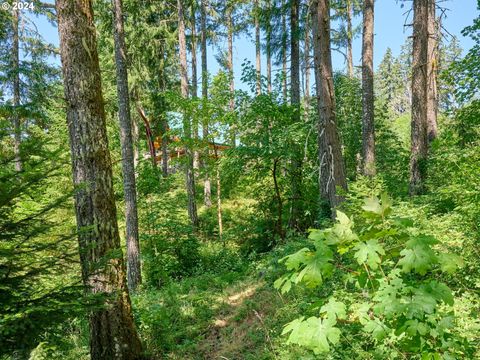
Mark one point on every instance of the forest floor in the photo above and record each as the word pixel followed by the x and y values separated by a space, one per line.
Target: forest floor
pixel 228 315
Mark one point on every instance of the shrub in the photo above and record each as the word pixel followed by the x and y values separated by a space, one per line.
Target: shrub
pixel 393 297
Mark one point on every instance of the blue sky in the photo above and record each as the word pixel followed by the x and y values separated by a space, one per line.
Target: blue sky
pixel 390 32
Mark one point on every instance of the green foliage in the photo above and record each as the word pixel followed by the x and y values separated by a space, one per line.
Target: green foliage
pixel 390 270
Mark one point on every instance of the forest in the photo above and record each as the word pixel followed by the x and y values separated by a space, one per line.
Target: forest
pixel 239 179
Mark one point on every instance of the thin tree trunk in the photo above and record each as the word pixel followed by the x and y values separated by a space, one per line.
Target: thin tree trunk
pixel 296 161
pixel 432 73
pixel 112 330
pixel 349 38
pixel 268 45
pixel 164 145
pixel 189 172
pixel 258 61
pixel 368 125
pixel 161 107
pixel 331 164
pixel 284 52
pixel 149 136
pixel 219 196
pixel 279 222
pixel 134 274
pixel 17 131
pixel 207 192
pixel 230 73
pixel 196 155
pixel 135 137
pixel 419 146
pixel 307 64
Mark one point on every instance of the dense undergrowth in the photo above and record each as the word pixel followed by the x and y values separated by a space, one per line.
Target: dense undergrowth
pixel 209 299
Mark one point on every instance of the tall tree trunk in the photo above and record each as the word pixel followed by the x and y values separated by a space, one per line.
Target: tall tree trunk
pixel 432 73
pixel 189 172
pixel 419 146
pixel 230 72
pixel 207 192
pixel 134 274
pixel 196 155
pixel 279 222
pixel 368 125
pixel 219 195
pixel 161 107
pixel 112 330
pixel 268 46
pixel 307 63
pixel 284 52
pixel 296 161
pixel 135 137
pixel 331 164
pixel 258 61
pixel 349 38
pixel 17 131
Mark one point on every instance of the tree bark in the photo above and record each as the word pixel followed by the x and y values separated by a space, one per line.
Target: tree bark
pixel 279 222
pixel 207 192
pixel 258 61
pixel 432 73
pixel 419 145
pixel 193 20
pixel 189 172
pixel 17 131
pixel 230 72
pixel 161 108
pixel 268 47
pixel 331 163
pixel 296 161
pixel 368 125
pixel 349 38
pixel 284 52
pixel 148 136
pixel 112 330
pixel 134 274
pixel 219 195
pixel 307 64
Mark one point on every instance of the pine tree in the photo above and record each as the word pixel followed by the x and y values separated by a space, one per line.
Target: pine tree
pixel 112 330
pixel 419 145
pixel 368 127
pixel 332 168
pixel 134 274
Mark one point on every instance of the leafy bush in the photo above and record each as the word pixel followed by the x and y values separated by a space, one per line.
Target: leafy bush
pixel 393 297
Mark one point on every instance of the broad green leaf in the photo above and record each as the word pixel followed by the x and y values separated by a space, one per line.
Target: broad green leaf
pixel 334 309
pixel 449 263
pixel 422 302
pixel 412 327
pixel 314 333
pixel 372 205
pixel 292 325
pixel 386 204
pixel 440 292
pixel 369 253
pixel 317 267
pixel 293 261
pixel 388 297
pixel 376 328
pixel 343 219
pixel 418 255
pixel 316 235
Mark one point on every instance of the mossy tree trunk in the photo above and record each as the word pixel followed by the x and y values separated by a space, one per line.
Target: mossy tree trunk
pixel 112 330
pixel 331 163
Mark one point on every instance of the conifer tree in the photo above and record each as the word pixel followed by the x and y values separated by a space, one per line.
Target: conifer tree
pixel 112 330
